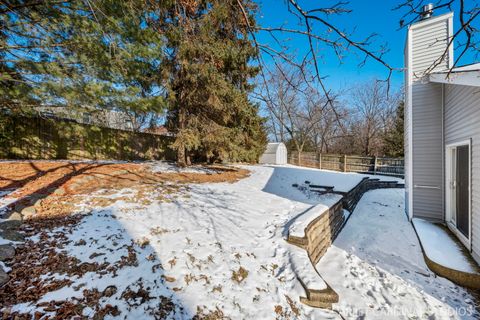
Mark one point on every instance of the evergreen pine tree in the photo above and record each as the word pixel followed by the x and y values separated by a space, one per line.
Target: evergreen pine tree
pixel 394 138
pixel 193 56
pixel 210 69
pixel 80 54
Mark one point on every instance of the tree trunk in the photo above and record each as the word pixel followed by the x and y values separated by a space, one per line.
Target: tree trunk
pixel 181 162
pixel 367 147
pixel 299 152
pixel 181 152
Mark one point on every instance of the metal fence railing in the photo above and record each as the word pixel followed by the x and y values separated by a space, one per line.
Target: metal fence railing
pixel 369 165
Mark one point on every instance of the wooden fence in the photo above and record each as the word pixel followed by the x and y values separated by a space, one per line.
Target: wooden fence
pixel 368 165
pixel 43 138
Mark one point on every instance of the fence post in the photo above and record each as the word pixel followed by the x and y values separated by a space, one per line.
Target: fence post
pixel 344 163
pixel 320 160
pixel 375 165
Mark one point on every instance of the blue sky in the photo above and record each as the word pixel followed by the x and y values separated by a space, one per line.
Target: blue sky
pixel 367 17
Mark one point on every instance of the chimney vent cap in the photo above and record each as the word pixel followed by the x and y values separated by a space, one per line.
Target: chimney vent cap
pixel 427 11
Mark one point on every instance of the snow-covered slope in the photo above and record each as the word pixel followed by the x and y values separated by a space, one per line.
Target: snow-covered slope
pixel 220 248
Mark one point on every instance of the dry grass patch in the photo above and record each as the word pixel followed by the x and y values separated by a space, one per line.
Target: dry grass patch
pixel 239 275
pixel 55 187
pixel 204 314
pixel 217 288
pixel 158 231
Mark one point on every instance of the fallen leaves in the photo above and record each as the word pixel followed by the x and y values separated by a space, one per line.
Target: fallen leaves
pixel 43 266
pixel 172 262
pixel 168 279
pixel 293 306
pixel 239 275
pixel 62 189
pixel 143 242
pixel 204 314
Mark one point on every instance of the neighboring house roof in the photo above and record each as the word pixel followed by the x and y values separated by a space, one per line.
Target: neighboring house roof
pixel 468 75
pixel 160 130
pixel 112 119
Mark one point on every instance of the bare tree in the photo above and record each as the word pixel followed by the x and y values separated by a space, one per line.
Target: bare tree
pixel 328 133
pixel 299 115
pixel 295 109
pixel 321 35
pixel 374 114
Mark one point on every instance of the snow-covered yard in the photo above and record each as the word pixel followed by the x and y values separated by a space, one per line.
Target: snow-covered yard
pixel 218 250
pixel 377 267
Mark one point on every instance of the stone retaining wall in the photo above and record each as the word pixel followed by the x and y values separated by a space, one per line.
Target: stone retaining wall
pixel 322 231
pixel 351 198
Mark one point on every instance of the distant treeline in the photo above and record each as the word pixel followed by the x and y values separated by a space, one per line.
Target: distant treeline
pixel 364 119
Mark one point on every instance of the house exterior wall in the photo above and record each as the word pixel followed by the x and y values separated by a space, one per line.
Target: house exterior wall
pixel 104 118
pixel 427 50
pixel 427 151
pixel 462 122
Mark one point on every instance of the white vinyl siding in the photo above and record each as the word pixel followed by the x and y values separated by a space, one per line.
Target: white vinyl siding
pixel 427 151
pixel 462 122
pixel 429 43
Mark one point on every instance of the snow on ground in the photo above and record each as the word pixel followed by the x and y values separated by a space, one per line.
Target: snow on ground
pixel 171 167
pixel 440 247
pixel 219 249
pixel 377 268
pixel 5 201
pixel 4 241
pixel 281 182
pixel 216 246
pixel 300 223
pixel 284 176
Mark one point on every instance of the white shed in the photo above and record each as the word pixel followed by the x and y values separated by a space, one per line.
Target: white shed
pixel 276 153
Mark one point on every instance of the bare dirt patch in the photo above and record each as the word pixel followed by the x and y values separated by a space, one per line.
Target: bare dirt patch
pixel 54 187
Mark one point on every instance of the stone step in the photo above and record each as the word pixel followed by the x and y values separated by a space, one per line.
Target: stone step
pixel 300 242
pixel 453 262
pixel 320 298
pixel 317 292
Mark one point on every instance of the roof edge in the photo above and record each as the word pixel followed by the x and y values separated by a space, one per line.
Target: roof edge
pixel 467 78
pixel 431 20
